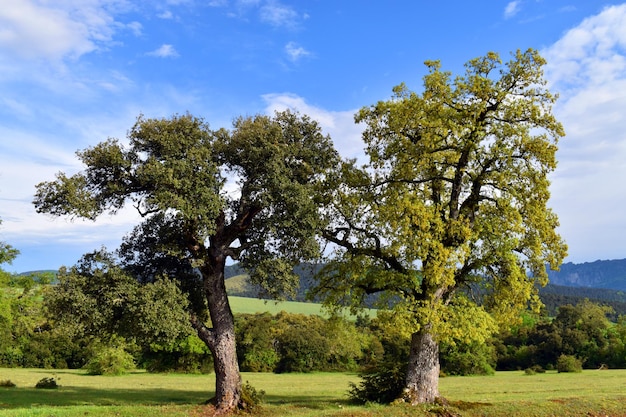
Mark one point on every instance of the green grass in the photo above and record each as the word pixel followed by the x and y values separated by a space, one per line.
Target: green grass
pixel 254 305
pixel 592 393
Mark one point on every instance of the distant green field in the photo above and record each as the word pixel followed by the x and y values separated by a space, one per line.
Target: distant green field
pixel 254 305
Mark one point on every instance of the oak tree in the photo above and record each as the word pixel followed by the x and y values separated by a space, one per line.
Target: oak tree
pixel 449 220
pixel 248 194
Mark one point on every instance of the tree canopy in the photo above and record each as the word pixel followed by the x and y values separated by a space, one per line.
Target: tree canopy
pixel 449 218
pixel 248 194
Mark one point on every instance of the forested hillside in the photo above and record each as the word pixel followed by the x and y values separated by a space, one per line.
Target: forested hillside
pixel 599 274
pixel 553 295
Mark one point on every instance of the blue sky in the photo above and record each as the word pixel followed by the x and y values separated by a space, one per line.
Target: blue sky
pixel 75 72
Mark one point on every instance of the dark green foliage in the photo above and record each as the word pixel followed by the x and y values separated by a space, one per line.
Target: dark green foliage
pixel 189 355
pixel 302 346
pixel 383 380
pixel 583 331
pixel 256 342
pixel 535 369
pixel 251 398
pixel 7 383
pixel 382 383
pixel 177 173
pixel 299 343
pixel 568 363
pixel 153 312
pixel 47 383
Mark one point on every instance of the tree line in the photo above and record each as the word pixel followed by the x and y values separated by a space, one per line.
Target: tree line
pixel 453 197
pixel 37 331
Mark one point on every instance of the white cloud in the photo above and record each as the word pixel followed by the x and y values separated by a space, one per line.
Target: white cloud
pixel 277 14
pixel 165 15
pixel 37 29
pixel 135 27
pixel 587 66
pixel 295 52
pixel 164 51
pixel 511 9
pixel 339 125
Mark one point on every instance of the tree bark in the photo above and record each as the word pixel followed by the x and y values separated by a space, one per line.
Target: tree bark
pixel 422 377
pixel 221 338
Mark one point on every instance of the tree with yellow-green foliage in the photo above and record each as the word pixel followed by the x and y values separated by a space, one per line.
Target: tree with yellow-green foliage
pixel 449 220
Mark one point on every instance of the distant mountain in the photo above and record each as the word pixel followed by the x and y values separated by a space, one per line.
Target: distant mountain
pixel 599 274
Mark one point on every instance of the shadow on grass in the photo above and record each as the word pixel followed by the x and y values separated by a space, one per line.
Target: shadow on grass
pixel 305 401
pixel 72 396
pixel 69 396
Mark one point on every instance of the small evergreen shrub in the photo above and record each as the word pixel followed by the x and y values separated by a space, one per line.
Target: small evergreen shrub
pixel 7 384
pixel 251 399
pixel 111 361
pixel 381 384
pixel 47 383
pixel 568 363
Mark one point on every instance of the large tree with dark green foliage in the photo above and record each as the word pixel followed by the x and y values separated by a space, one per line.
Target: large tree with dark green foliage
pixel 449 220
pixel 247 194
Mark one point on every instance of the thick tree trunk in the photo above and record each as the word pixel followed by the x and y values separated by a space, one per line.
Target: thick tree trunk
pixel 221 338
pixel 422 377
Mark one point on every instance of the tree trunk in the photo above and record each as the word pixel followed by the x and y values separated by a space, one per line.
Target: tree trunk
pixel 422 377
pixel 221 338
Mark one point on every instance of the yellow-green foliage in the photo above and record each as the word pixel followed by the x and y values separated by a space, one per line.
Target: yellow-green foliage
pixel 453 200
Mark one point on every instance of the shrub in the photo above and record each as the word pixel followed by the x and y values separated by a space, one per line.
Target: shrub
pixel 7 384
pixel 382 384
pixel 568 363
pixel 110 361
pixel 535 369
pixel 47 383
pixel 187 355
pixel 256 340
pixel 251 399
pixel 468 359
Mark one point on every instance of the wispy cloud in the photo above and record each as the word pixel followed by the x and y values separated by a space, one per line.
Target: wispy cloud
pixel 296 52
pixel 164 51
pixel 270 12
pixel 512 8
pixel 165 15
pixel 587 66
pixel 277 14
pixel 135 27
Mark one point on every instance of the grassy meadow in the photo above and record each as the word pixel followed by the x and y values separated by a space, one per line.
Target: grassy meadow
pixel 245 305
pixel 591 393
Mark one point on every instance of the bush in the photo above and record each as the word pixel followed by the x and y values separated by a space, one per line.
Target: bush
pixel 568 363
pixel 188 355
pixel 110 361
pixel 7 384
pixel 251 399
pixel 381 384
pixel 47 383
pixel 535 369
pixel 256 340
pixel 468 359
